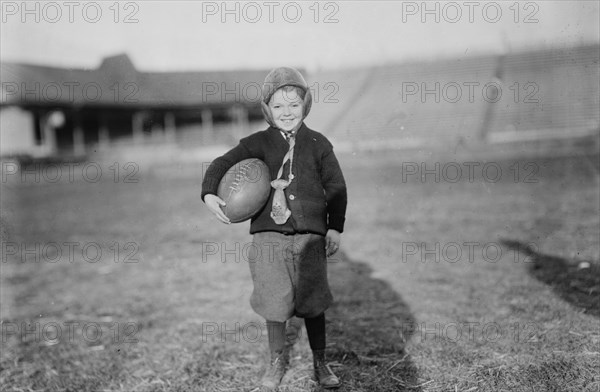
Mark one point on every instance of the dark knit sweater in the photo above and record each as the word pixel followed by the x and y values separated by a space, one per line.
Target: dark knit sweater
pixel 317 195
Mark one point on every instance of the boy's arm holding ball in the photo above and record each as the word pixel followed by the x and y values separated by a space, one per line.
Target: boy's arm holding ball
pixel 215 173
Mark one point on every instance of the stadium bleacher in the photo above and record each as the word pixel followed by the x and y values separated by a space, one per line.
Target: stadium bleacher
pixel 512 97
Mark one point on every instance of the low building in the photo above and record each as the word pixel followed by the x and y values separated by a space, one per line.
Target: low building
pixel 49 111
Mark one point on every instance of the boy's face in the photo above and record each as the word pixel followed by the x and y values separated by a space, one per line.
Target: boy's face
pixel 287 109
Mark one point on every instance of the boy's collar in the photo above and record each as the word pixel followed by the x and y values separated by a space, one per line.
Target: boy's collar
pixel 296 133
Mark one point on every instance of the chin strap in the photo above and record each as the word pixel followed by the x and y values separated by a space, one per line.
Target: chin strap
pixel 280 212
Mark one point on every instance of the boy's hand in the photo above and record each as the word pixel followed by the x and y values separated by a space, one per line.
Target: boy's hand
pixel 332 242
pixel 214 203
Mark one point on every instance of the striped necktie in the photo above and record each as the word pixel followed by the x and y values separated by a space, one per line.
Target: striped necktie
pixel 279 210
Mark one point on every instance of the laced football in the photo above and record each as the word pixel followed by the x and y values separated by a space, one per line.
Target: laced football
pixel 245 188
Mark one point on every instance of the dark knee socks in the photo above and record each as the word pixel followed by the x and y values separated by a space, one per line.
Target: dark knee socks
pixel 315 329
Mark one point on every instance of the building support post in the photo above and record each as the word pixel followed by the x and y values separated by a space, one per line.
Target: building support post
pixel 103 134
pixel 48 134
pixel 239 119
pixel 137 127
pixel 78 136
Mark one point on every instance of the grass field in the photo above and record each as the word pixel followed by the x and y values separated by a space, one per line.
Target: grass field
pixel 441 285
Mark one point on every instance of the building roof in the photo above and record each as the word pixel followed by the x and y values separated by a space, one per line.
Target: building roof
pixel 118 83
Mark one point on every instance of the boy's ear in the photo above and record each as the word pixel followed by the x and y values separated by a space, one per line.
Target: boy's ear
pixel 267 113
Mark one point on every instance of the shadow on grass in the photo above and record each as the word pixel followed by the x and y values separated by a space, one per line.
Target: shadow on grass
pixel 367 329
pixel 580 287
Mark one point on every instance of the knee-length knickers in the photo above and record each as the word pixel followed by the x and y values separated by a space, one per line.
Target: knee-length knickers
pixel 289 273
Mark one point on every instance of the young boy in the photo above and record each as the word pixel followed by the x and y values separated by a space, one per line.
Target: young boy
pixel 299 226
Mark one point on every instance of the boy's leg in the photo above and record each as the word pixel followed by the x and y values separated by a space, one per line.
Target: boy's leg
pixel 273 293
pixel 276 333
pixel 279 355
pixel 292 332
pixel 315 329
pixel 312 293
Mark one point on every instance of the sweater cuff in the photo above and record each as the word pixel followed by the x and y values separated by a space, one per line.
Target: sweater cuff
pixel 336 223
pixel 211 186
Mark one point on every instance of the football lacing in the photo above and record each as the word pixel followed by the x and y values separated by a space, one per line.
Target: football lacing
pixel 238 178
